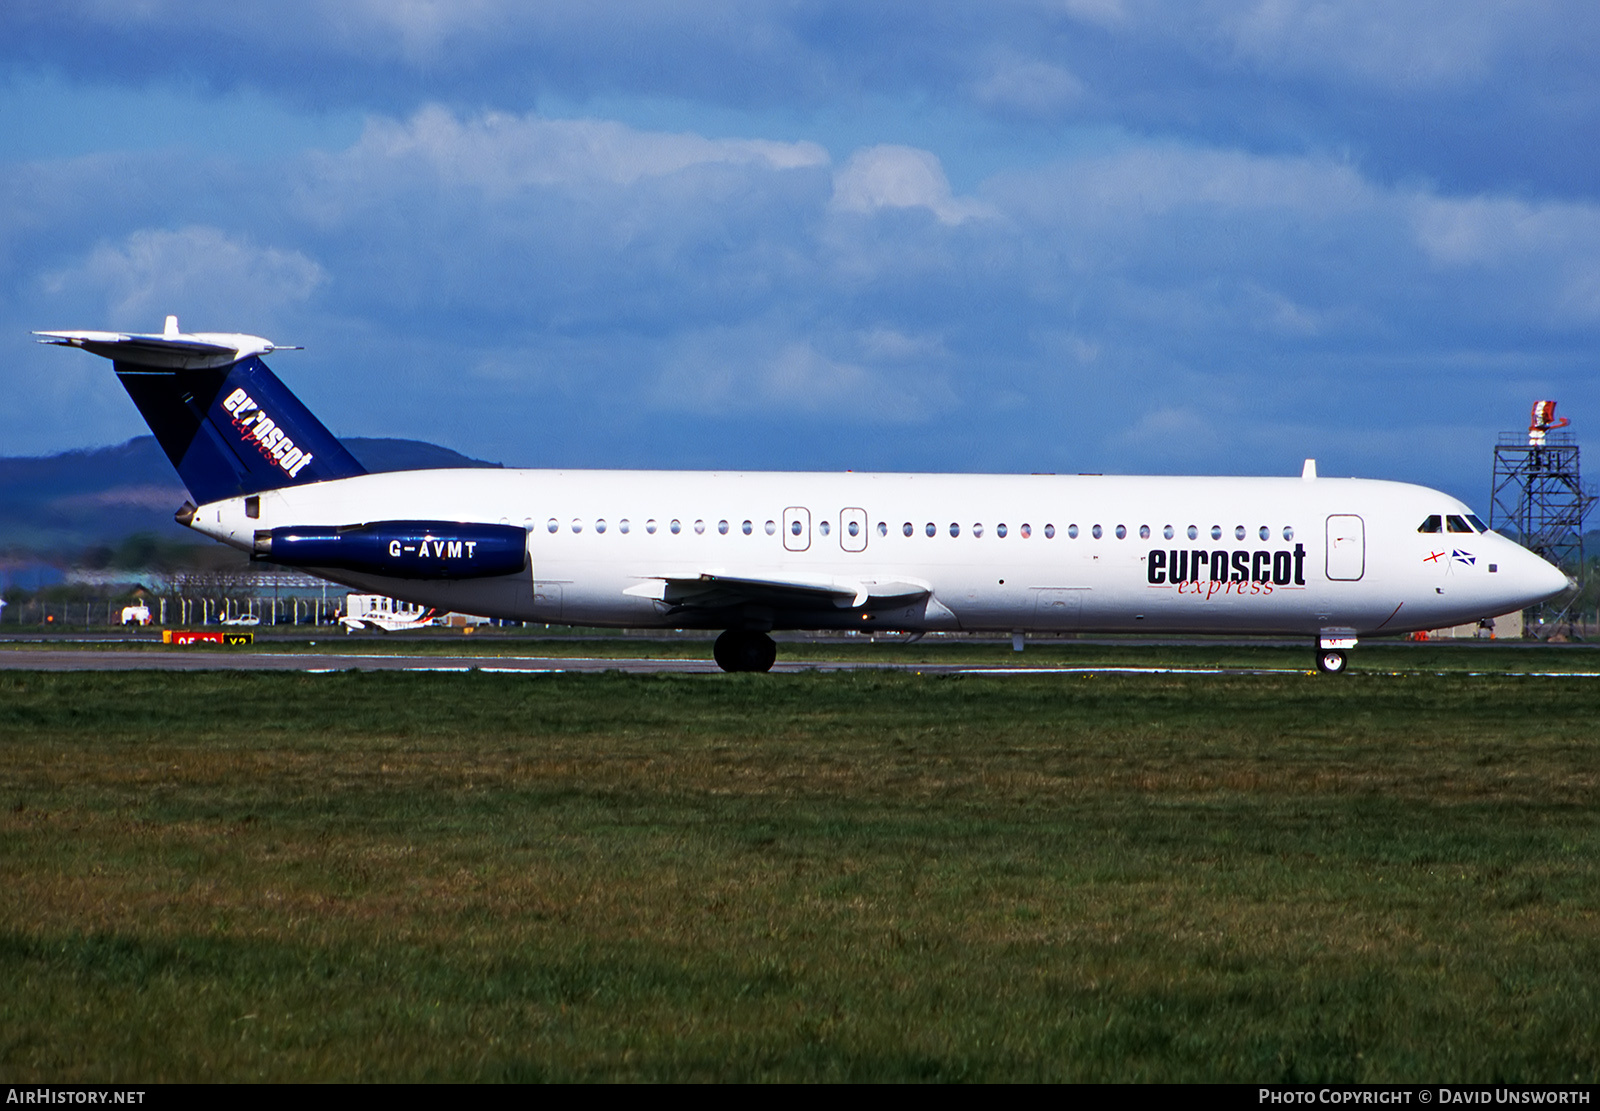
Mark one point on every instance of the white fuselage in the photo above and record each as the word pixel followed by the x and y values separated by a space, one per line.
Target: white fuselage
pixel 1297 556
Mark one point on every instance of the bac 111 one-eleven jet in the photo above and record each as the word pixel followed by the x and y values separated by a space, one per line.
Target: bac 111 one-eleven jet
pixel 1326 559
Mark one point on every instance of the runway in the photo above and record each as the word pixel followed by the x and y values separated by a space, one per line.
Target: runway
pixel 206 660
pixel 115 652
pixel 188 659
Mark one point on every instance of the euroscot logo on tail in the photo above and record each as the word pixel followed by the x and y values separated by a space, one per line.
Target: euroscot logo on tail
pixel 254 424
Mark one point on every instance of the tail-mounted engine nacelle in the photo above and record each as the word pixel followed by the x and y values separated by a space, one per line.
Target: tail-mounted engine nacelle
pixel 400 549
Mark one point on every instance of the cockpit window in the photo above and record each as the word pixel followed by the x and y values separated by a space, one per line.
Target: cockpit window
pixel 1432 524
pixel 1472 519
pixel 1457 524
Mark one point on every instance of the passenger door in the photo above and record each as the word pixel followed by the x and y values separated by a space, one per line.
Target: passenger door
pixel 1347 547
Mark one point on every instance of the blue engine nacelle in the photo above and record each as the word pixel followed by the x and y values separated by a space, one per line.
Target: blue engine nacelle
pixel 401 549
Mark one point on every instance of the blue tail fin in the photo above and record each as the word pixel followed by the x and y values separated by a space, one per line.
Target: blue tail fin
pixel 226 422
pixel 234 430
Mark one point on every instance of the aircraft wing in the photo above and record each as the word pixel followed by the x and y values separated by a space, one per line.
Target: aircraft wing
pixel 716 591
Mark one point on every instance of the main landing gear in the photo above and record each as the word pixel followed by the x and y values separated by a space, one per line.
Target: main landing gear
pixel 1331 661
pixel 742 650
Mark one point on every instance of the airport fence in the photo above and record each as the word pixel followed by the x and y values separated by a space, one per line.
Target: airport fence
pixel 182 598
pixel 175 610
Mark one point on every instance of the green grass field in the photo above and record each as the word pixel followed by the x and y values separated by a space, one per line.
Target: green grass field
pixel 862 876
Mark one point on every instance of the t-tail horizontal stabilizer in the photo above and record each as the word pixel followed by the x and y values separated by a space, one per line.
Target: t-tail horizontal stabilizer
pixel 227 423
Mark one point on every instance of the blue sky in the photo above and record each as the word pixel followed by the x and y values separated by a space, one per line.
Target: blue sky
pixel 1131 236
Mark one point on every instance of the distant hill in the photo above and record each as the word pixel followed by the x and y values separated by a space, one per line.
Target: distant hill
pixel 60 503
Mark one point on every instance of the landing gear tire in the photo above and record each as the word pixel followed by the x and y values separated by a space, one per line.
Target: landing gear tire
pixel 1330 661
pixel 739 650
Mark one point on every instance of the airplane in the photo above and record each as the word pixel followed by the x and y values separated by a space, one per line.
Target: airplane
pixel 381 612
pixel 1327 559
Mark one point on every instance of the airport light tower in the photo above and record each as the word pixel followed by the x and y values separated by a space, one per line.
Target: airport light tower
pixel 1540 501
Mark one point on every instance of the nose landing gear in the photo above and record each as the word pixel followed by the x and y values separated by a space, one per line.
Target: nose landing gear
pixel 1331 648
pixel 742 650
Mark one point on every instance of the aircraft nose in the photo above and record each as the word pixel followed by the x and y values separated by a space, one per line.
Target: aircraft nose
pixel 1541 579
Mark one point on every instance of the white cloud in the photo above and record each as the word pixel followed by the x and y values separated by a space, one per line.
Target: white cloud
pixel 1197 432
pixel 218 282
pixel 1031 88
pixel 420 27
pixel 503 152
pixel 890 176
pixel 893 345
pixel 621 275
pixel 1160 178
pixel 1551 250
pixel 727 371
pixel 1457 231
pixel 1419 44
pixel 1105 13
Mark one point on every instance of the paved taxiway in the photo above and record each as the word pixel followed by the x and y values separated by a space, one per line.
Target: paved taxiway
pixel 32 659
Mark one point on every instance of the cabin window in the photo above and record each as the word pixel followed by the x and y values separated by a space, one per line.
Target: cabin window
pixel 955 529
pixel 823 528
pixel 1049 532
pixel 675 527
pixel 1472 519
pixel 977 529
pixel 553 525
pixel 1072 532
pixel 1433 523
pixel 907 528
pixel 722 528
pixel 1122 532
pixel 1096 532
pixel 1144 532
pixel 1025 531
pixel 795 527
pixel 1216 532
pixel 883 528
pixel 853 528
pixel 1288 532
pixel 1238 532
pixel 623 526
pixel 577 525
pixel 931 529
pixel 699 528
pixel 1000 531
pixel 252 507
pixel 1455 524
pixel 1166 531
pixel 1266 533
pixel 650 526
pixel 747 528
pixel 600 525
pixel 772 528
pixel 1194 533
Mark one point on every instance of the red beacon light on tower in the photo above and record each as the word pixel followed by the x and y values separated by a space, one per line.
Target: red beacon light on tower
pixel 1544 420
